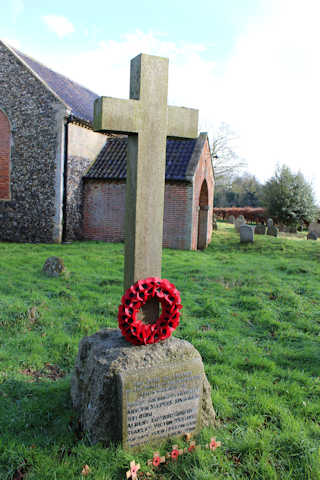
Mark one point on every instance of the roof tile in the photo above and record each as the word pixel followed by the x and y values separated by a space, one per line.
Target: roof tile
pixel 111 162
pixel 78 98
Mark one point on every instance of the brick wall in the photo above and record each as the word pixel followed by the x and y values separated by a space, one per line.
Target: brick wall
pixel 104 211
pixel 36 116
pixel 203 172
pixel 177 201
pixel 5 140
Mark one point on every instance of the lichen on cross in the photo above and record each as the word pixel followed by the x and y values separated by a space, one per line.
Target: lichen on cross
pixel 148 121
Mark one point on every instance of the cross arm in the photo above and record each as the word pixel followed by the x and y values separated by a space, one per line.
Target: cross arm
pixel 116 115
pixel 182 122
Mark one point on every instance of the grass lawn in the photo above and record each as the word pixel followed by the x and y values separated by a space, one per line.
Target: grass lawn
pixel 253 312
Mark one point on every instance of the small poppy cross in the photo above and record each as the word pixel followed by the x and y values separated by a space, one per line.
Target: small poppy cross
pixel 175 452
pixel 132 473
pixel 156 460
pixel 213 444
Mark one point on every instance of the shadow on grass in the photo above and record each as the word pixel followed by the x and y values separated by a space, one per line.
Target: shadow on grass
pixel 37 412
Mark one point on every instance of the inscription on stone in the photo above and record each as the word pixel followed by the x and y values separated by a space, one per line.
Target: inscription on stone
pixel 158 403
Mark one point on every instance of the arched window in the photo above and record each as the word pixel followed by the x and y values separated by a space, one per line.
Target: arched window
pixel 5 141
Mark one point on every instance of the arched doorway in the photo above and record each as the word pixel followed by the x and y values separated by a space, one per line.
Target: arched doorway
pixel 203 217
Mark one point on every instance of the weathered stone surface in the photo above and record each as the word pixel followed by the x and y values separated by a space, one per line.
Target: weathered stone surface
pixel 139 394
pixel 53 266
pixel 260 229
pixel 269 222
pixel 37 120
pixel 273 231
pixel 238 222
pixel 315 227
pixel 83 148
pixel 231 219
pixel 246 234
pixel 241 217
pixel 312 236
pixel 147 114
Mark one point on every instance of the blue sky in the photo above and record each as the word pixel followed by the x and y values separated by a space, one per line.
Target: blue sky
pixel 253 64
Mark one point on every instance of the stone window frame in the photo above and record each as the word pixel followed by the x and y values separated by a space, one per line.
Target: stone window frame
pixel 4 113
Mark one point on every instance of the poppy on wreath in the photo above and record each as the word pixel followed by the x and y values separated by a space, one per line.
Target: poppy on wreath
pixel 139 333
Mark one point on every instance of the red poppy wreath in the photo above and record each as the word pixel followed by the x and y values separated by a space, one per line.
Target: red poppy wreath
pixel 133 329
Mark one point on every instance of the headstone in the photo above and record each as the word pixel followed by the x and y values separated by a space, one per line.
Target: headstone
pixel 314 227
pixel 246 234
pixel 238 223
pixel 53 266
pixel 312 236
pixel 273 231
pixel 214 223
pixel 260 229
pixel 269 222
pixel 139 394
pixel 231 219
pixel 241 217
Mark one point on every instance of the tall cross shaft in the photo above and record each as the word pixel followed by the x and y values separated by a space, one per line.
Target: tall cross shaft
pixel 148 120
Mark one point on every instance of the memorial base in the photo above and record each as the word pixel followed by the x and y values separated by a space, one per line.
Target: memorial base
pixel 139 394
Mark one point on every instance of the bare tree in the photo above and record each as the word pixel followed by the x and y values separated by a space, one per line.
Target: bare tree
pixel 226 162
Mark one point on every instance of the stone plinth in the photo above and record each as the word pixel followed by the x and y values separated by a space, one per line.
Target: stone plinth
pixel 260 229
pixel 246 234
pixel 139 394
pixel 273 231
pixel 315 228
pixel 312 236
pixel 269 222
pixel 238 223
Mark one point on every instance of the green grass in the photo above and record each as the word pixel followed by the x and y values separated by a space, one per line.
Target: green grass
pixel 253 312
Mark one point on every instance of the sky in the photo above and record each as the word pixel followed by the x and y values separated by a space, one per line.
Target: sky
pixel 251 64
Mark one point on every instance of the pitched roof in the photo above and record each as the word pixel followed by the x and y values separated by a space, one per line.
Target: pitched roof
pixel 111 162
pixel 78 98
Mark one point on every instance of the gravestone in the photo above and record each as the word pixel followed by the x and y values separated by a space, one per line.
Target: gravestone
pixel 53 267
pixel 314 227
pixel 238 223
pixel 260 229
pixel 272 231
pixel 231 219
pixel 312 236
pixel 214 223
pixel 241 217
pixel 139 394
pixel 246 234
pixel 269 222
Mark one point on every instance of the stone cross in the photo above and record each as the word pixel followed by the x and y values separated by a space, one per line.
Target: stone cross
pixel 148 120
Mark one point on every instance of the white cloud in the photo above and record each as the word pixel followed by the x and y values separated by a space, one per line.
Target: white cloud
pixel 17 8
pixel 268 90
pixel 59 25
pixel 12 42
pixel 271 91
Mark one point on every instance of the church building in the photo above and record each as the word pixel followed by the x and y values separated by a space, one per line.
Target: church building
pixel 61 181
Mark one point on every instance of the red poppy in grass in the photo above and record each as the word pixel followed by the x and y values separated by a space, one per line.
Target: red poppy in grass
pixel 213 444
pixel 192 446
pixel 174 454
pixel 139 333
pixel 156 461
